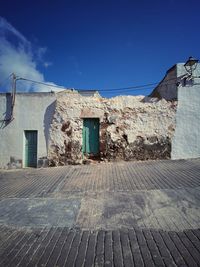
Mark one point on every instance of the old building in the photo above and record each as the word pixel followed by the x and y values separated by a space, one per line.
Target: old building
pixel 182 82
pixel 124 127
pixel 70 127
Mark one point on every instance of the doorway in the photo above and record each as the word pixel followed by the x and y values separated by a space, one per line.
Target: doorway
pixel 30 157
pixel 91 136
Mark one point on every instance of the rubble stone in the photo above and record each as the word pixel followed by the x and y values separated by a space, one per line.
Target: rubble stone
pixel 131 127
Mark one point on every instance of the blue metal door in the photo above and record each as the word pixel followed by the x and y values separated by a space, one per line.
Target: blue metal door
pixel 30 148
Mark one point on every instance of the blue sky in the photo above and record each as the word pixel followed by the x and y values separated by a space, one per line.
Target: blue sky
pixel 96 44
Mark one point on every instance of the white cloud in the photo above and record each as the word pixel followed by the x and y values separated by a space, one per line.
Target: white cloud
pixel 41 52
pixel 17 56
pixel 6 27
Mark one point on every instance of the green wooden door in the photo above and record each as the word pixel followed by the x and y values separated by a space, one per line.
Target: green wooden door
pixel 91 136
pixel 30 148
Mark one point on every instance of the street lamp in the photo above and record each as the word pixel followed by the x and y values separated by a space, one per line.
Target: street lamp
pixel 191 65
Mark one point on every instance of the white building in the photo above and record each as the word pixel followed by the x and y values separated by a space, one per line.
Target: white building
pixel 179 83
pixel 24 134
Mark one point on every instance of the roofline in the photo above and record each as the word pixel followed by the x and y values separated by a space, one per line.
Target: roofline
pixel 88 90
pixel 172 68
pixel 28 93
pixel 167 72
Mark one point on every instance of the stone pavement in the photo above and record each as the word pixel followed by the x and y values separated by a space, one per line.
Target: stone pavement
pixel 108 214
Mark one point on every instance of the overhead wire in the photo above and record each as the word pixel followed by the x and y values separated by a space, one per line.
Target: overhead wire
pixel 140 87
pixel 42 83
pixel 132 88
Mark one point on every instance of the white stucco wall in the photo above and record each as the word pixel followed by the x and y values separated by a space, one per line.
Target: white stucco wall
pixel 181 71
pixel 32 111
pixel 186 140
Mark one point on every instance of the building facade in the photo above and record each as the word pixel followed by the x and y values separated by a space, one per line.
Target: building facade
pixel 183 83
pixel 186 140
pixel 24 137
pixel 69 127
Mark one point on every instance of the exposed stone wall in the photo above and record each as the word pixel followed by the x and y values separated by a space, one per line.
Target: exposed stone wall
pixel 131 128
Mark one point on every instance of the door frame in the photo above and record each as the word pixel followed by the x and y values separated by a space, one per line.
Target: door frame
pixel 83 141
pixel 24 148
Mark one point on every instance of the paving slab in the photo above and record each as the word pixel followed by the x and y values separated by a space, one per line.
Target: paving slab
pixel 114 214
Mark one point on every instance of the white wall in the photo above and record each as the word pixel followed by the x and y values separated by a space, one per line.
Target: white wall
pixel 32 111
pixel 181 71
pixel 186 140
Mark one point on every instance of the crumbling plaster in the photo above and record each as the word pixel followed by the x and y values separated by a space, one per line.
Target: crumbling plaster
pixel 131 127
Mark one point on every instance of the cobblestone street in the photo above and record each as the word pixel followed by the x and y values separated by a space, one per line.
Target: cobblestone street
pixel 106 214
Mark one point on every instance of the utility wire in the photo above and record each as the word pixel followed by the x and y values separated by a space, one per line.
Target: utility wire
pixel 123 90
pixel 42 83
pixel 139 87
pixel 132 88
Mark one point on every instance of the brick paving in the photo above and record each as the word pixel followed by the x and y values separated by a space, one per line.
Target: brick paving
pixel 114 214
pixel 122 176
pixel 124 247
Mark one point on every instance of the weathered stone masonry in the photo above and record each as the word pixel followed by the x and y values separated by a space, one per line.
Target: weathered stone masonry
pixel 131 128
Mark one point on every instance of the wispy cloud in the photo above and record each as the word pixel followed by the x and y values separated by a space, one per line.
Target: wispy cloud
pixel 17 55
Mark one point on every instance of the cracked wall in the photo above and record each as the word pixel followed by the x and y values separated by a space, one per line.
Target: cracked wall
pixel 131 127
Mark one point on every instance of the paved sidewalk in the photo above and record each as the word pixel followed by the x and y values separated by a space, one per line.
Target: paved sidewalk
pixel 114 214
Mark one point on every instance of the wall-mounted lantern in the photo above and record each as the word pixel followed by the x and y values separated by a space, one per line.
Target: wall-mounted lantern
pixel 191 65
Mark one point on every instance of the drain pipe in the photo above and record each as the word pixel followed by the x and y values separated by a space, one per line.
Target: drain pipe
pixel 14 80
pixel 13 94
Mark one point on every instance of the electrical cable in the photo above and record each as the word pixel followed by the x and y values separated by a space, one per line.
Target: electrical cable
pixel 132 88
pixel 42 83
pixel 137 87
